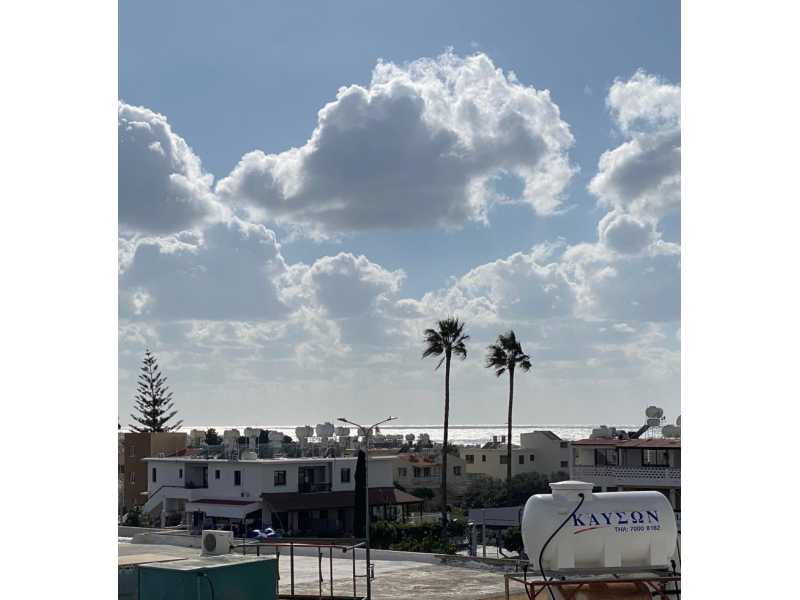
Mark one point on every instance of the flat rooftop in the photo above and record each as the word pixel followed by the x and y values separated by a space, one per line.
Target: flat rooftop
pixel 394 580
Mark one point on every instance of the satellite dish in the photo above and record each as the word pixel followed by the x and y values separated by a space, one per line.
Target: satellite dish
pixel 653 412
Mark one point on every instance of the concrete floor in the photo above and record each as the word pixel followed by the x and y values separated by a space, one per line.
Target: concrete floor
pixel 394 580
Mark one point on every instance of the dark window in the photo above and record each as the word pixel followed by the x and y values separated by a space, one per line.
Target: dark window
pixel 426 472
pixel 470 458
pixel 345 475
pixel 530 458
pixel 323 514
pixel 457 470
pixel 564 464
pixel 504 459
pixel 122 469
pixel 402 471
pixel 216 474
pixel 417 472
pixel 521 459
pixel 280 478
pixel 483 458
pixel 606 457
pixel 655 458
pixel 237 478
pixel 564 444
pixel 133 477
pixel 154 475
pixel 180 473
pixel 132 452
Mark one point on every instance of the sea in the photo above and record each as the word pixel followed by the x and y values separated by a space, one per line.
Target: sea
pixel 458 434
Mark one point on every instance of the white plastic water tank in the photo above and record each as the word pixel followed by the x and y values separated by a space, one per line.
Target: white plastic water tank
pixel 611 529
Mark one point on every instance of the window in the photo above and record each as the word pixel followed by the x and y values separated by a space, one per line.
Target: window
pixel 132 451
pixel 655 458
pixel 606 456
pixel 237 478
pixel 180 473
pixel 530 458
pixel 279 478
pixel 402 472
pixel 564 464
pixel 483 458
pixel 521 459
pixel 504 460
pixel 133 477
pixel 323 513
pixel 417 472
pixel 216 474
pixel 470 458
pixel 122 469
pixel 457 470
pixel 154 475
pixel 345 475
pixel 564 444
pixel 426 472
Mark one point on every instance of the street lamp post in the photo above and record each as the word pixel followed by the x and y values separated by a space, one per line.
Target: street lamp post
pixel 366 432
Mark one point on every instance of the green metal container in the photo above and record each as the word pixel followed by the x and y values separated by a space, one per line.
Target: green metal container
pixel 228 577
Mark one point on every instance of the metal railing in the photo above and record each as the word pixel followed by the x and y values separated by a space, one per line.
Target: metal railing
pixel 622 473
pixel 276 546
pixel 305 488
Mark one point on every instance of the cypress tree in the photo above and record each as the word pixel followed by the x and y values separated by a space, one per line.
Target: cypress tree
pixel 153 399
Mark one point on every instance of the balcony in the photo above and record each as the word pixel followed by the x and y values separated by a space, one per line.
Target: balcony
pixel 628 476
pixel 311 488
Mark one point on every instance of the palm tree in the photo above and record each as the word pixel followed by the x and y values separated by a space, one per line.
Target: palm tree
pixel 447 340
pixel 506 355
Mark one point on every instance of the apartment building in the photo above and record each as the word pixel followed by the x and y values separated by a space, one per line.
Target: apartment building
pixel 540 452
pixel 132 449
pixel 632 464
pixel 414 471
pixel 297 495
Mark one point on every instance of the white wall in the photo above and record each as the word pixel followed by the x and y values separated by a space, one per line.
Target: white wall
pixel 259 477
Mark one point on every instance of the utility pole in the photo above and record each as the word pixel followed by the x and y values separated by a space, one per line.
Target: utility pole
pixel 366 432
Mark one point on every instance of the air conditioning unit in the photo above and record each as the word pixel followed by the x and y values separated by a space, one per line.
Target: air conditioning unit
pixel 216 542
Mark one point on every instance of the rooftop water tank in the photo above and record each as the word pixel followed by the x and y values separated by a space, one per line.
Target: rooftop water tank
pixel 275 436
pixel 325 429
pixel 611 529
pixel 304 432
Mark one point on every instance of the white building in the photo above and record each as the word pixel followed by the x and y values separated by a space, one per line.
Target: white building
pixel 298 495
pixel 540 452
pixel 637 464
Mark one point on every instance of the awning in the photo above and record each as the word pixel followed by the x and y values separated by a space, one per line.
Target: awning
pixel 294 501
pixel 230 509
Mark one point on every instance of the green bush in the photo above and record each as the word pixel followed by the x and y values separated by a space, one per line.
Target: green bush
pixel 512 540
pixel 422 537
pixel 486 492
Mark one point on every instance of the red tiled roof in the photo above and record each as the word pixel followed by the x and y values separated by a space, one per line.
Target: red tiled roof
pixel 639 443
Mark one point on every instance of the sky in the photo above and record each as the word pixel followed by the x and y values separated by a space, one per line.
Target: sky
pixel 305 187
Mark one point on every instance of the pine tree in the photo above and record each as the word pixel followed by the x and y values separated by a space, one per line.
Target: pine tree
pixel 153 399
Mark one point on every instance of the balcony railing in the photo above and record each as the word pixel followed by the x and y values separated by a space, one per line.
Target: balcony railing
pixel 307 488
pixel 630 475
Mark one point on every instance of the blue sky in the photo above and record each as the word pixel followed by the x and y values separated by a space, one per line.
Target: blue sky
pixel 235 77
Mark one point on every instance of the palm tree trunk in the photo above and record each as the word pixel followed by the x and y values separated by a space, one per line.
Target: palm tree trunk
pixel 444 448
pixel 508 440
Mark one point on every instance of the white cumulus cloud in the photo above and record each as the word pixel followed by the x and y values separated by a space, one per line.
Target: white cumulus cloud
pixel 420 146
pixel 162 186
